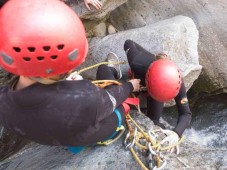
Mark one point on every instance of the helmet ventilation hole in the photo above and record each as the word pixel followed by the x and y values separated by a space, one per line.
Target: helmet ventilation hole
pixel 54 57
pixel 31 49
pixel 17 49
pixel 26 58
pixel 46 48
pixel 40 58
pixel 60 46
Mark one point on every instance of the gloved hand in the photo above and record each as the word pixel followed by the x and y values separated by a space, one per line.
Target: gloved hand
pixel 171 139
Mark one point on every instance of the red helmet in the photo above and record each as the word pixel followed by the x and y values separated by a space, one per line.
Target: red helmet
pixel 163 80
pixel 40 38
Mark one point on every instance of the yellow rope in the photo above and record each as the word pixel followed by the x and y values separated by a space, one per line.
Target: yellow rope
pixel 141 130
pixel 104 83
pixel 96 65
pixel 138 160
pixel 157 145
pixel 154 144
pixel 171 146
pixel 138 137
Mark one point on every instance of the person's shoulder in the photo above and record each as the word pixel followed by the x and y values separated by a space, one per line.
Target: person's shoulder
pixel 75 82
pixel 4 88
pixel 78 85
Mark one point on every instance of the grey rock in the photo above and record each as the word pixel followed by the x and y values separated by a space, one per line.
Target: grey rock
pixel 209 17
pixel 93 14
pixel 92 18
pixel 111 29
pixel 100 30
pixel 114 156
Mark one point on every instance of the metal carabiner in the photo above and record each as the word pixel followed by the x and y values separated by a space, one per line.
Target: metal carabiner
pixel 163 165
pixel 126 139
pixel 152 135
pixel 130 144
pixel 151 150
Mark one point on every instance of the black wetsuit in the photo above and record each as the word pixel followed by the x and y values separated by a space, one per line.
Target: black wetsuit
pixel 2 2
pixel 67 113
pixel 139 60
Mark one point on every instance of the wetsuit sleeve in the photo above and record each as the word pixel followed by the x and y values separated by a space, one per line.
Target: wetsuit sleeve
pixel 111 97
pixel 120 93
pixel 184 112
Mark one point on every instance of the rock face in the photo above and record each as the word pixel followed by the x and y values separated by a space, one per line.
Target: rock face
pixel 114 156
pixel 9 143
pixel 177 37
pixel 209 17
pixel 81 10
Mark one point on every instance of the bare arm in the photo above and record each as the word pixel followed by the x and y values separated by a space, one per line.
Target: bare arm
pixel 96 3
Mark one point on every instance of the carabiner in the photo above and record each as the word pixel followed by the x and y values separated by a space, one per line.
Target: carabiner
pixel 130 144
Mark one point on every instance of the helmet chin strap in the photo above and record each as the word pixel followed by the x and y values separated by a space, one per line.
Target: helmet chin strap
pixel 43 80
pixel 51 80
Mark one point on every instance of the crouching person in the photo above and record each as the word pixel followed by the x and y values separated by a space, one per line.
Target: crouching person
pixel 42 41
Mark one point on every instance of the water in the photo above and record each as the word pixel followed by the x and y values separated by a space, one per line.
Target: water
pixel 208 127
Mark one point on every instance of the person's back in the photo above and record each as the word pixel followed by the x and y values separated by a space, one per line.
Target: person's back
pixel 59 113
pixel 42 42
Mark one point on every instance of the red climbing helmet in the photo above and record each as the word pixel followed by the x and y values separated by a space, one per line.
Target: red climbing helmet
pixel 40 38
pixel 163 80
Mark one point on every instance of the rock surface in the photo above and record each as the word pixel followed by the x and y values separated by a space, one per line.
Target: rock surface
pixel 97 15
pixel 210 19
pixel 114 157
pixel 177 37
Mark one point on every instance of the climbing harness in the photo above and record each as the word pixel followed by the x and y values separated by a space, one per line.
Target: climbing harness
pixel 96 65
pixel 114 137
pixel 117 134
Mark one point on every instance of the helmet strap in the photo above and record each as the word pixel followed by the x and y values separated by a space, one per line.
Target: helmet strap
pixel 43 80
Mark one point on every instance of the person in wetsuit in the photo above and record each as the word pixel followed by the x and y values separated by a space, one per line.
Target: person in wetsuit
pixel 2 2
pixel 140 60
pixel 43 48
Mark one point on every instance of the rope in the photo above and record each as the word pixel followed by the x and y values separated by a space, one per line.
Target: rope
pixel 152 144
pixel 96 65
pixel 138 160
pixel 103 83
pixel 134 136
pixel 141 130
